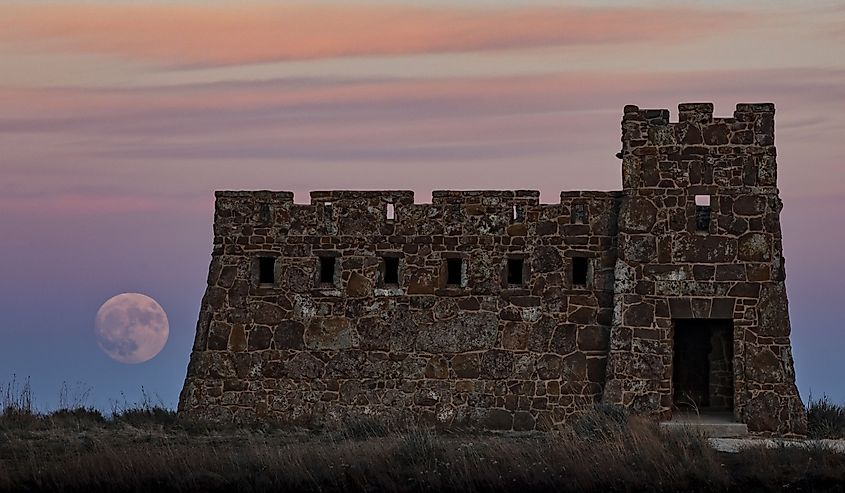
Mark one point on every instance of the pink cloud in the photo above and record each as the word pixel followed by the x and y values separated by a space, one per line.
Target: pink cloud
pixel 94 204
pixel 253 32
pixel 562 131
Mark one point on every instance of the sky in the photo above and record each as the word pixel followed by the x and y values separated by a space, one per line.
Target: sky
pixel 119 118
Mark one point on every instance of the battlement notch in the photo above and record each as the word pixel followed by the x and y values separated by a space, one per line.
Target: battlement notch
pixel 699 149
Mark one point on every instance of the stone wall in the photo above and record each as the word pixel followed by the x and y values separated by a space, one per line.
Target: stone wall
pixel 485 351
pixel 276 340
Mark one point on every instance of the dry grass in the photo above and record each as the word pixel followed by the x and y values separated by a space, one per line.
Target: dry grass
pixel 605 450
pixel 805 468
pixel 147 448
pixel 124 457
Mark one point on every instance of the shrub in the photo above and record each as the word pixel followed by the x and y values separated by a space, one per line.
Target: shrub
pixel 418 446
pixel 79 417
pixel 149 411
pixel 14 418
pixel 146 416
pixel 825 419
pixel 18 405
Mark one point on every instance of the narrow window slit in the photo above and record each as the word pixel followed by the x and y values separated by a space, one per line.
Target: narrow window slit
pixel 391 270
pixel 580 268
pixel 391 212
pixel 327 211
pixel 327 268
pixel 454 266
pixel 266 270
pixel 516 271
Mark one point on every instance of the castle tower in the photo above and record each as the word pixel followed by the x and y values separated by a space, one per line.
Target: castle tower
pixel 700 308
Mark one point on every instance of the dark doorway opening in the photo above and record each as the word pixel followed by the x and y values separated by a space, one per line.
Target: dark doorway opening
pixel 702 368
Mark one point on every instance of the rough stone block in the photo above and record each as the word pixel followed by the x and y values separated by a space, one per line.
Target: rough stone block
pixel 471 332
pixel 328 333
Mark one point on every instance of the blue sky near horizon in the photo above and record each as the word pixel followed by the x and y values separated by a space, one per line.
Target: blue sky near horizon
pixel 118 120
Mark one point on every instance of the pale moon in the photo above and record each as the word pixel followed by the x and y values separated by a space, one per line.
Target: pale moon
pixel 131 328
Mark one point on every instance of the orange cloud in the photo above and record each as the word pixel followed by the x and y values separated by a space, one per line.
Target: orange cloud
pixel 258 32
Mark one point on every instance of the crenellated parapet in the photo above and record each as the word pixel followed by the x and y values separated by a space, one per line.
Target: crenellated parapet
pixel 383 213
pixel 699 150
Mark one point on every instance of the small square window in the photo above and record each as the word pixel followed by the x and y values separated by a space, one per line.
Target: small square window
pixel 580 268
pixel 266 270
pixel 327 268
pixel 454 274
pixel 516 269
pixel 579 214
pixel 391 270
pixel 265 213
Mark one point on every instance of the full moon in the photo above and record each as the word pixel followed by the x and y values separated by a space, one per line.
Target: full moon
pixel 131 328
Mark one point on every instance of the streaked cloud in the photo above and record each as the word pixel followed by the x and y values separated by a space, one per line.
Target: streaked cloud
pixel 562 130
pixel 216 33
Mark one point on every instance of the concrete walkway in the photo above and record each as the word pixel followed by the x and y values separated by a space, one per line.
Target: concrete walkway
pixel 734 445
pixel 711 424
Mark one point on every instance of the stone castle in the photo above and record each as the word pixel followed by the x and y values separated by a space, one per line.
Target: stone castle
pixel 488 308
